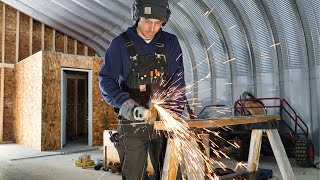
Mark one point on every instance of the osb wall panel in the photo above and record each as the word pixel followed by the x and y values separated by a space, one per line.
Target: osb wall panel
pixel 51 102
pixel 98 124
pixel 24 37
pixel 51 97
pixel 27 124
pixel 10 37
pixel 48 37
pixel 59 42
pixel 36 37
pixel 97 114
pixel 70 47
pixel 76 61
pixel 8 116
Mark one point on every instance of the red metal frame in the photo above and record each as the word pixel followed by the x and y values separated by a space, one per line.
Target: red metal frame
pixel 282 103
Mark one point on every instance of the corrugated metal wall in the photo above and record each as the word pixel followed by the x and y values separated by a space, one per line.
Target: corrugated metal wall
pixel 270 47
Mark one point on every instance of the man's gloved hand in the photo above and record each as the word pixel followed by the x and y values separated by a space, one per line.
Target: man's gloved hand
pixel 132 111
pixel 126 109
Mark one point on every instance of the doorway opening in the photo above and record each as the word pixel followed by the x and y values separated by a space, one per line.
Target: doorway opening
pixel 76 108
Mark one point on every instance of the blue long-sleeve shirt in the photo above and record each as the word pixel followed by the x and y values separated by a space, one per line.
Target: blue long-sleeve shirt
pixel 117 66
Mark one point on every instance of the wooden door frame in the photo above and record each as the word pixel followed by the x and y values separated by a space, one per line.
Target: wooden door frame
pixel 63 103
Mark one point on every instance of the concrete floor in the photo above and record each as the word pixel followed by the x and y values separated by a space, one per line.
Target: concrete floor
pixel 21 163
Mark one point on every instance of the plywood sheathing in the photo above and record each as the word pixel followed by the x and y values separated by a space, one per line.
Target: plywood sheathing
pixel 28 101
pixel 36 37
pixel 51 108
pixel 48 33
pixel 24 36
pixel 10 29
pixel 8 115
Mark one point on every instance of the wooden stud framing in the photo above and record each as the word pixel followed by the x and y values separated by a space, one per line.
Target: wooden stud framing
pixel 76 76
pixel 53 40
pixel 3 38
pixel 86 50
pixel 17 36
pixel 42 36
pixel 30 35
pixel 75 106
pixel 65 44
pixel 6 65
pixel 170 167
pixel 75 44
pixel 2 70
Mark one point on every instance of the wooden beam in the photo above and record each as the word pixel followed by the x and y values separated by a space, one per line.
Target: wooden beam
pixel 30 35
pixel 280 154
pixel 227 121
pixel 17 36
pixel 42 36
pixel 75 44
pixel 3 38
pixel 254 150
pixel 53 40
pixel 65 44
pixel 2 70
pixel 170 167
pixel 1 104
pixel 76 76
pixel 206 143
pixel 75 106
pixel 86 50
pixel 6 65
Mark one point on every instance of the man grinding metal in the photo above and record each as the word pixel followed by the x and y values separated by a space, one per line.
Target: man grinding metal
pixel 141 63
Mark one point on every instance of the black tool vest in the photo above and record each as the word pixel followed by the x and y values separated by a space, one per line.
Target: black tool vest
pixel 148 78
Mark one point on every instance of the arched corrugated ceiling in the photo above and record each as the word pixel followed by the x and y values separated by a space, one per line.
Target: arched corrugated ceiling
pixel 270 47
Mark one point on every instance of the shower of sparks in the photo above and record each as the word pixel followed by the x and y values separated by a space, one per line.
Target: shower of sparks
pixel 230 60
pixel 206 14
pixel 232 27
pixel 195 160
pixel 210 46
pixel 241 165
pixel 185 141
pixel 273 45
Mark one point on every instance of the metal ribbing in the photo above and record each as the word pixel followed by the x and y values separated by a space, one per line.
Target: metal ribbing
pixel 222 70
pixel 308 17
pixel 194 39
pixel 291 34
pixel 259 34
pixel 188 73
pixel 239 44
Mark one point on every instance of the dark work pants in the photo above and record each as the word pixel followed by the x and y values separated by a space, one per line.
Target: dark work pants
pixel 135 142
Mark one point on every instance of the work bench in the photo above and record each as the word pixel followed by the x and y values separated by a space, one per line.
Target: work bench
pixel 171 158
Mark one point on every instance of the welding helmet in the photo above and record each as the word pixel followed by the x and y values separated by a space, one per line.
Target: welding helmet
pixel 152 9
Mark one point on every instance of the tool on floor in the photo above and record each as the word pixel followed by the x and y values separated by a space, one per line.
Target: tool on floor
pixel 84 161
pixel 114 167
